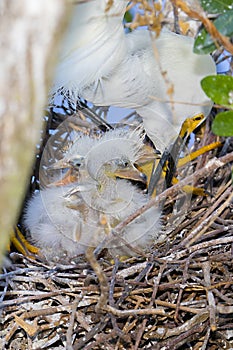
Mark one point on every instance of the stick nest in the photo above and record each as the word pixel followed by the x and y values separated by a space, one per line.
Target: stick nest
pixel 177 296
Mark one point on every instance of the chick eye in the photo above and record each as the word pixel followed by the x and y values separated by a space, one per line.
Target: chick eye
pixel 76 162
pixel 123 163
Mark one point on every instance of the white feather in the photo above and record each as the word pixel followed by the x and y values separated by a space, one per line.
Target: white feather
pixel 108 67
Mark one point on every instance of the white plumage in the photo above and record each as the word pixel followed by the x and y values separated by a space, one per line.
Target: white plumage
pixel 66 220
pixel 108 67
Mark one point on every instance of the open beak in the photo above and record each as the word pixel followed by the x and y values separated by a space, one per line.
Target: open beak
pixel 68 178
pixel 130 173
pixel 60 164
pixel 147 161
pixel 149 155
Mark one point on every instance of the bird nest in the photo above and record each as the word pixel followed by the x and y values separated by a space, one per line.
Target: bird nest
pixel 177 296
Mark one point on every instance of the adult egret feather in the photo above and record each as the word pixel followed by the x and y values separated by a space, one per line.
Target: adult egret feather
pixel 106 66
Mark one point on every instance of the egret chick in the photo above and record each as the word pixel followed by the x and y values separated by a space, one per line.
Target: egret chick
pixel 65 220
pixel 106 66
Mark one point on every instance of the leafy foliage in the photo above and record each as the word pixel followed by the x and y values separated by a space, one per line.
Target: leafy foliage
pixel 223 124
pixel 220 89
pixel 216 6
pixel 204 43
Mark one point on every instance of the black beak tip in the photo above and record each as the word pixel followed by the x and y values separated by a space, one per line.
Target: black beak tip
pixel 143 177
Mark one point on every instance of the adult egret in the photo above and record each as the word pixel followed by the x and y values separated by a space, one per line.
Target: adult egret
pixel 65 220
pixel 106 66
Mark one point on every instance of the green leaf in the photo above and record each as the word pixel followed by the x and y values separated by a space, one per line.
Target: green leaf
pixel 204 43
pixel 223 124
pixel 216 6
pixel 219 88
pixel 128 18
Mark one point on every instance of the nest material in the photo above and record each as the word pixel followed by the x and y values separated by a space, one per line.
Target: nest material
pixel 178 296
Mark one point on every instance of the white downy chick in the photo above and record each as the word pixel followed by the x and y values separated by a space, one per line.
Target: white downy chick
pixel 66 220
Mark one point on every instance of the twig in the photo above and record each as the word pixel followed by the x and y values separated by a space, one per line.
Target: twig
pixel 205 342
pixel 210 27
pixel 69 333
pixel 210 296
pixel 155 290
pixel 200 246
pixel 20 301
pixel 207 219
pixel 103 299
pixel 133 312
pixel 89 335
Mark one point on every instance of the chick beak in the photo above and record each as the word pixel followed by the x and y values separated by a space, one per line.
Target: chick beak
pixel 146 163
pixel 69 177
pixel 149 155
pixel 60 164
pixel 130 173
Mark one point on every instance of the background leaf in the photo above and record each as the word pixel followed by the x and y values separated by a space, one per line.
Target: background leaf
pixel 223 124
pixel 219 88
pixel 204 43
pixel 128 17
pixel 216 6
